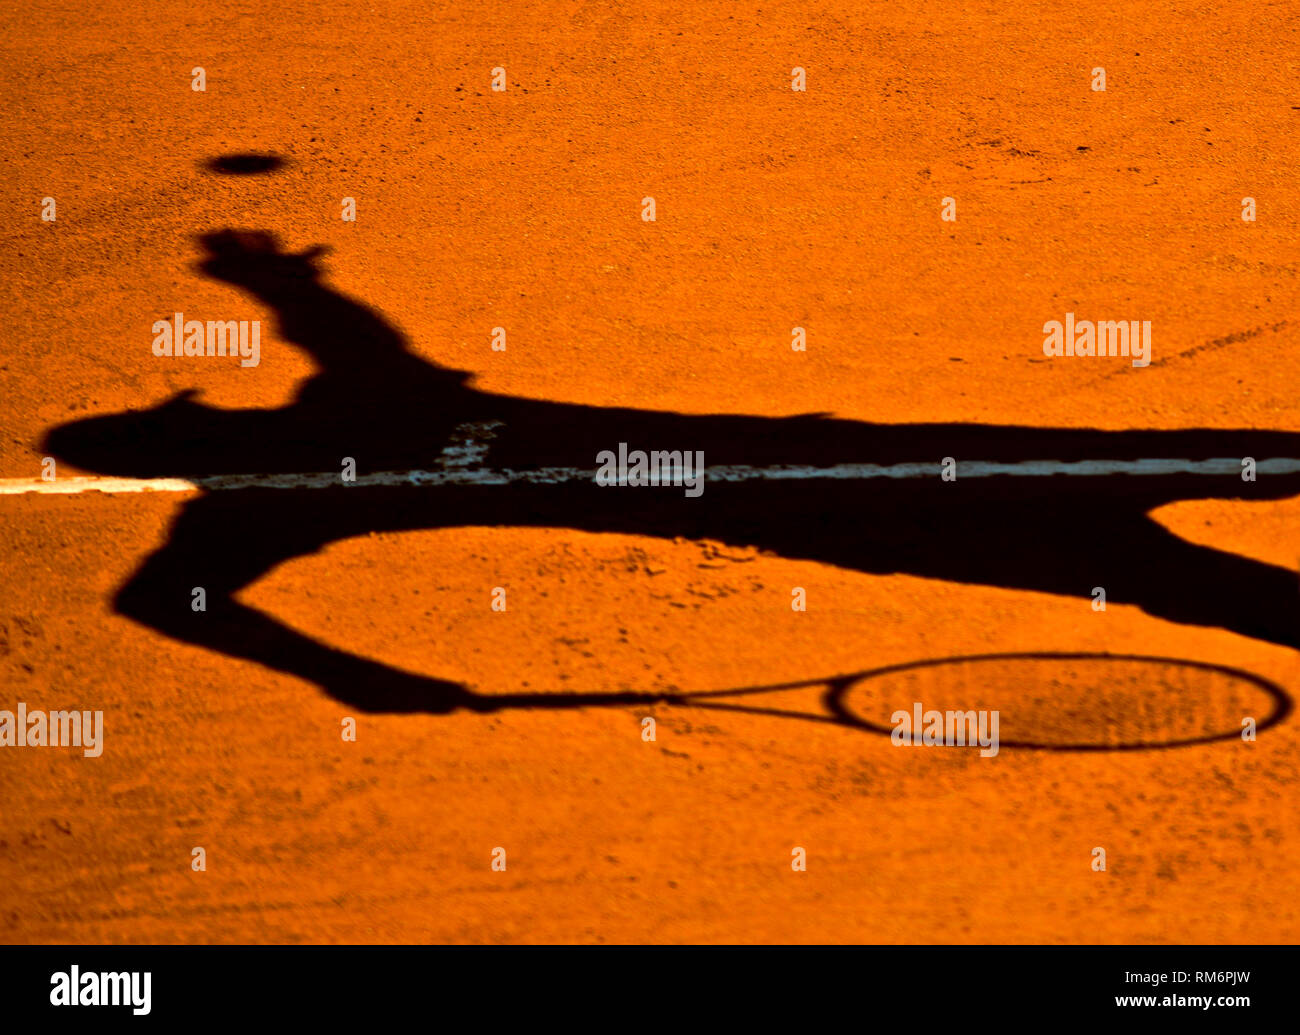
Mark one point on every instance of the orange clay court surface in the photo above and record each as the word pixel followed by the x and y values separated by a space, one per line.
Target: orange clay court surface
pixel 522 209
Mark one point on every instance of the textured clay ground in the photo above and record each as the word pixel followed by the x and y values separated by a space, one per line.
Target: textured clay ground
pixel 522 209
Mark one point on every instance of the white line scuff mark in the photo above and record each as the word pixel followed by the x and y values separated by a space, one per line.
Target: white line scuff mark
pixel 469 444
pixel 455 474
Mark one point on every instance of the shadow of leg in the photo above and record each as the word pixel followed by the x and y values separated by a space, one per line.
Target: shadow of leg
pixel 213 547
pixel 1195 585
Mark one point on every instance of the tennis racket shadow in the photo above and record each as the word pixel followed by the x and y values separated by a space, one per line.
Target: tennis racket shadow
pixel 1048 701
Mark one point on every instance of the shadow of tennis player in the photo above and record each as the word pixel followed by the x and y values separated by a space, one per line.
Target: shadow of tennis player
pixel 377 402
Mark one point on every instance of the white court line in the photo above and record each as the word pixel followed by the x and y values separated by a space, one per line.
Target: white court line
pixel 459 475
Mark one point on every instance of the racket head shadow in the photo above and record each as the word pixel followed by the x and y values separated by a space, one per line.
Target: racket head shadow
pixel 1049 701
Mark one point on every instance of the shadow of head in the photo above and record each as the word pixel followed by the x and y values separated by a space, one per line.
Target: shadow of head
pixel 253 260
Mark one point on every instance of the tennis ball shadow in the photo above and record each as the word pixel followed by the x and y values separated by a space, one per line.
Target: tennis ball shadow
pixel 248 163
